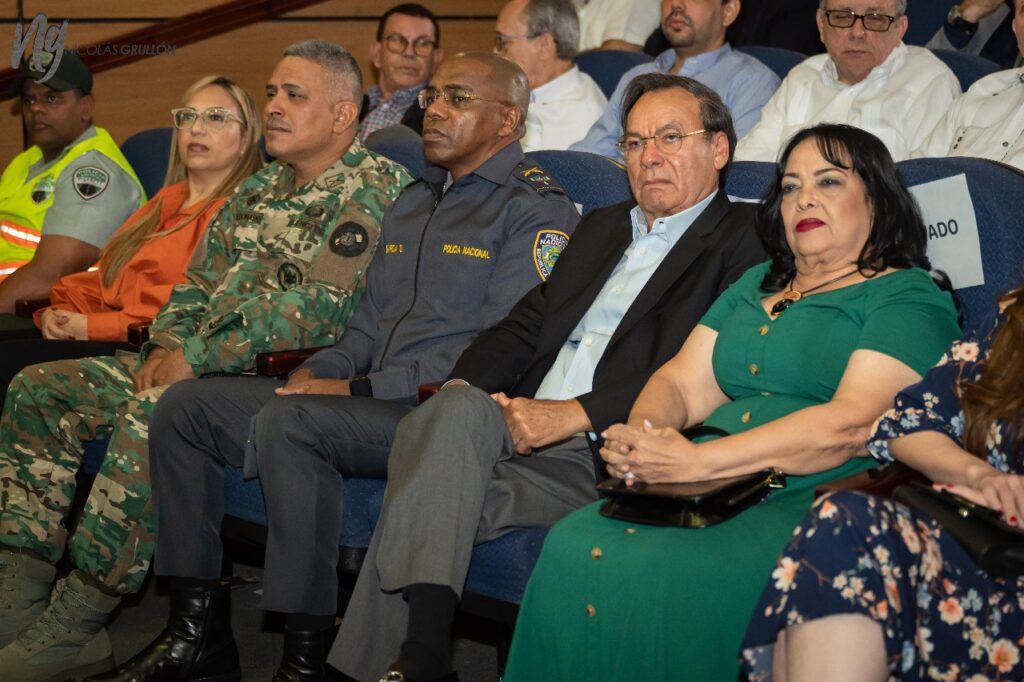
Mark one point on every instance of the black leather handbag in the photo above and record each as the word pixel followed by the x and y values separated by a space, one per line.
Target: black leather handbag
pixel 996 546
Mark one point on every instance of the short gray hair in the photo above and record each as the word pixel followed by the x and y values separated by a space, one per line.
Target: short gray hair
pixel 901 6
pixel 559 18
pixel 338 62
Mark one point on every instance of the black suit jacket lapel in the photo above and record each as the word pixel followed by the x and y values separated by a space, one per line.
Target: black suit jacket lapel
pixel 676 263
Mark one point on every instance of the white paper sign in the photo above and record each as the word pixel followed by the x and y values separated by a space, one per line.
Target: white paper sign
pixel 953 244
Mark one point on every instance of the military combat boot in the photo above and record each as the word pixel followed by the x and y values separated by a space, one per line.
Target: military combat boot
pixel 197 643
pixel 67 641
pixel 25 584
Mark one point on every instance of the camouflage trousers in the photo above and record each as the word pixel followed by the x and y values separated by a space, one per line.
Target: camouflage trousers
pixel 51 409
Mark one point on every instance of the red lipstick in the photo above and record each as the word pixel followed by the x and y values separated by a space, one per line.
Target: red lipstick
pixel 808 224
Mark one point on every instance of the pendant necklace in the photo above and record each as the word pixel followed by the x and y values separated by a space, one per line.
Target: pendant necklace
pixel 792 296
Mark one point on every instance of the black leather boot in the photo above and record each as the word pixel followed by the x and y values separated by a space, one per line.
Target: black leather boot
pixel 305 656
pixel 195 646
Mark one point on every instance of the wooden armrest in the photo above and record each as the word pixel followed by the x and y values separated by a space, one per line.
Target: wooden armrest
pixel 427 391
pixel 281 363
pixel 880 481
pixel 138 333
pixel 25 307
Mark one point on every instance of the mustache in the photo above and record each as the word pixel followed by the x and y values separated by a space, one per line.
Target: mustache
pixel 681 13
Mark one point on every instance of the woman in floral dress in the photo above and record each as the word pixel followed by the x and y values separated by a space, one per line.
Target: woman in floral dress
pixel 868 589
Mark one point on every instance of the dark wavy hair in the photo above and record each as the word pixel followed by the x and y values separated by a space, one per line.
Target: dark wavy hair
pixel 898 237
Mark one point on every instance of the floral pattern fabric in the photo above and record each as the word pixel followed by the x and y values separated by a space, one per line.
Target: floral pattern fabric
pixel 941 616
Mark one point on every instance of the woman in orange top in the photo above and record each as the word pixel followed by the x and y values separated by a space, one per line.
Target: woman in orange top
pixel 213 148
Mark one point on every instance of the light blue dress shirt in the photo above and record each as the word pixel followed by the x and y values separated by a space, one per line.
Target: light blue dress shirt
pixel 572 374
pixel 743 83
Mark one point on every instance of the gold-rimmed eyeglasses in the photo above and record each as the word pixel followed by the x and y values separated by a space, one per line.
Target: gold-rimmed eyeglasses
pixel 454 96
pixel 667 142
pixel 213 117
pixel 872 21
pixel 397 43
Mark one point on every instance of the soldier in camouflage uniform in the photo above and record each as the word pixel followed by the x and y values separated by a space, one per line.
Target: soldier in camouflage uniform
pixel 282 267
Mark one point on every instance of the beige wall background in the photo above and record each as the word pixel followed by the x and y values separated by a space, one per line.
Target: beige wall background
pixel 140 95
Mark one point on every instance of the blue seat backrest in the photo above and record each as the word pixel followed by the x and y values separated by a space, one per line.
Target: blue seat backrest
pixel 606 67
pixel 148 152
pixel 966 67
pixel 997 194
pixel 749 180
pixel 589 180
pixel 925 18
pixel 778 59
pixel 399 143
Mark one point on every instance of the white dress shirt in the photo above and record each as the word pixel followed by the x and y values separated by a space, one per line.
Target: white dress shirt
pixel 562 111
pixel 900 101
pixel 602 20
pixel 986 121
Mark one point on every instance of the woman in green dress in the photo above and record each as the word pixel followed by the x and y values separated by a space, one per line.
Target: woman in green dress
pixel 796 360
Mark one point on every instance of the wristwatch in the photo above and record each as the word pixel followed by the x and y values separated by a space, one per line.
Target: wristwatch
pixel 957 21
pixel 360 386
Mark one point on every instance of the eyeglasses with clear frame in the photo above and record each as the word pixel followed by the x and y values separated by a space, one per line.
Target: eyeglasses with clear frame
pixel 214 117
pixel 397 43
pixel 844 18
pixel 667 142
pixel 453 95
pixel 501 40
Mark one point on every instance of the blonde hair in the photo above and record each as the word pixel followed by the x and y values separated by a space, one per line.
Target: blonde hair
pixel 130 238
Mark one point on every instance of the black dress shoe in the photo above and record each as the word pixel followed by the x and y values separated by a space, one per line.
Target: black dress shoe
pixel 196 645
pixel 305 657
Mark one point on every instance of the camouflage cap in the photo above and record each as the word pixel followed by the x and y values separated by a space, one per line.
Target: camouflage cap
pixel 71 73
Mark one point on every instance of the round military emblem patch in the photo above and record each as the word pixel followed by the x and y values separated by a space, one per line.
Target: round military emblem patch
pixel 90 181
pixel 43 189
pixel 349 239
pixel 289 275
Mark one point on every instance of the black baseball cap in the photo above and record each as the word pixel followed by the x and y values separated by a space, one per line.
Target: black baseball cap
pixel 71 73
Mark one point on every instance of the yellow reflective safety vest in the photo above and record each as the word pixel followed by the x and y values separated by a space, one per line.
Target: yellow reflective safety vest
pixel 24 201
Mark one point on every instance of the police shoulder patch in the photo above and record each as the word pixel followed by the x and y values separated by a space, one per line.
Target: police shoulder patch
pixel 90 181
pixel 536 177
pixel 547 247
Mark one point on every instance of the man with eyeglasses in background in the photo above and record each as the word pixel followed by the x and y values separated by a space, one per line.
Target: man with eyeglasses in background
pixel 478 229
pixel 62 198
pixel 405 54
pixel 541 37
pixel 567 362
pixel 867 78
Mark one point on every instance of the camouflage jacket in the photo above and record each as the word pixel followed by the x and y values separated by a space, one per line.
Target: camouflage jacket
pixel 279 268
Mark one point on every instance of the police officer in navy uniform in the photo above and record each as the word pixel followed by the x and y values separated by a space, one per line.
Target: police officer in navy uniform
pixel 458 248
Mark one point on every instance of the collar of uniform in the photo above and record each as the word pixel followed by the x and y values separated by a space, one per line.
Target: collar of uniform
pixel 896 59
pixel 86 134
pixel 495 169
pixel 692 65
pixel 558 88
pixel 349 163
pixel 400 97
pixel 672 228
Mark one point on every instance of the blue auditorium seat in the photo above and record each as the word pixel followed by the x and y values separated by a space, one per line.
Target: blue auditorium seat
pixel 749 180
pixel 148 152
pixel 589 180
pixel 606 67
pixel 967 68
pixel 925 18
pixel 399 143
pixel 778 59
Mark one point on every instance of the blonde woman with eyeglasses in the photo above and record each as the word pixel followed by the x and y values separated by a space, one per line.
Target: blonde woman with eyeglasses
pixel 213 148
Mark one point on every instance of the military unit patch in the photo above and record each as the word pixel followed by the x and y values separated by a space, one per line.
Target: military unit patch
pixel 289 275
pixel 43 189
pixel 537 178
pixel 349 239
pixel 90 181
pixel 547 247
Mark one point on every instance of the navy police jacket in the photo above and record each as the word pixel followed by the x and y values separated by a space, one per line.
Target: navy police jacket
pixel 450 263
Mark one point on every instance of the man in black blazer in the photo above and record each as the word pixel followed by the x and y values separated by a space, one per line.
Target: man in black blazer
pixel 508 441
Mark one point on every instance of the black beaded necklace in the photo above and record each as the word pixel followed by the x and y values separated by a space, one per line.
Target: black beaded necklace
pixel 792 296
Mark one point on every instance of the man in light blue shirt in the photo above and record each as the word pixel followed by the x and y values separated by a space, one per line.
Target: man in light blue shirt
pixel 696 31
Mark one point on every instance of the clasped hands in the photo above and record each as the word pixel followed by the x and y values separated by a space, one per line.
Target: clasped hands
pixel 536 423
pixel 64 325
pixel 163 367
pixel 641 452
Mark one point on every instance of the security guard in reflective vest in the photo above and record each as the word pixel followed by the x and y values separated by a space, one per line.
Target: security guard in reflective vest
pixel 461 244
pixel 62 198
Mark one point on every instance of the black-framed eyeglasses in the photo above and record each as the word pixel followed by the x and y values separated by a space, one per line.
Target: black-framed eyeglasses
pixel 844 18
pixel 501 40
pixel 212 117
pixel 453 95
pixel 667 142
pixel 397 43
